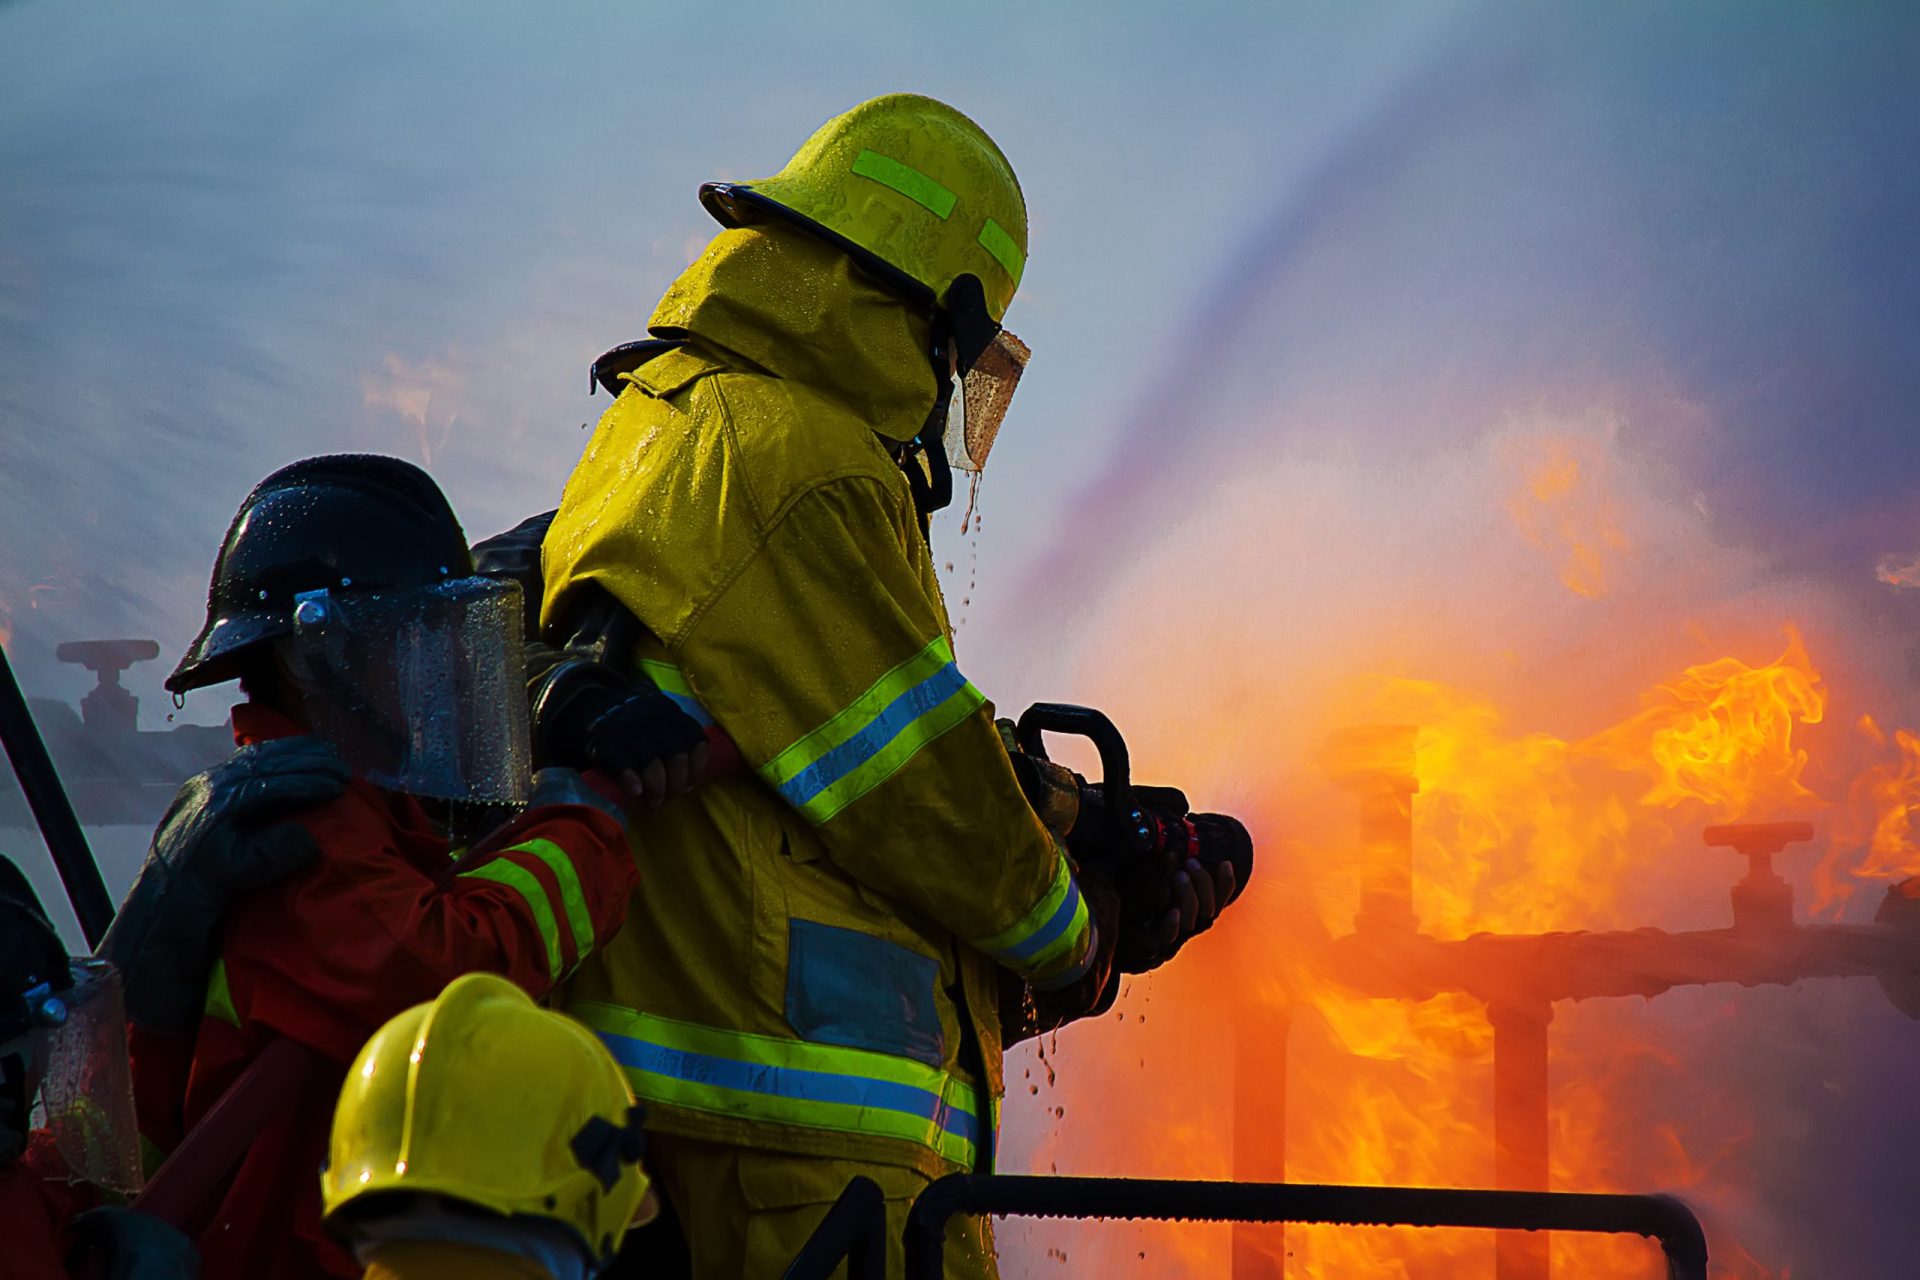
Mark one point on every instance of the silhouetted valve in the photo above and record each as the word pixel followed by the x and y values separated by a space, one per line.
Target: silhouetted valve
pixel 109 706
pixel 1378 762
pixel 1762 900
pixel 1901 909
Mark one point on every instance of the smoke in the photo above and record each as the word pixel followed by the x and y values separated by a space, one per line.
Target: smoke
pixel 1557 354
pixel 1572 368
pixel 1687 215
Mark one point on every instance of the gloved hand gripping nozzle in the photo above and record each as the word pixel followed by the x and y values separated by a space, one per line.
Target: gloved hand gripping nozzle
pixel 1173 870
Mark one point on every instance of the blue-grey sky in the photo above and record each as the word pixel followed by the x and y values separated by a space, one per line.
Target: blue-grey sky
pixel 1304 277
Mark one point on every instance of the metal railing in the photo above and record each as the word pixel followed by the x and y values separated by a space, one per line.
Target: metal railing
pixel 1663 1218
pixel 854 1232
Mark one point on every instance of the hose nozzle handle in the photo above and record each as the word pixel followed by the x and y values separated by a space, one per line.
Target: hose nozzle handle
pixel 1116 781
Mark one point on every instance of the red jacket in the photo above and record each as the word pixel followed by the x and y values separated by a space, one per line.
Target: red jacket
pixel 380 922
pixel 36 1205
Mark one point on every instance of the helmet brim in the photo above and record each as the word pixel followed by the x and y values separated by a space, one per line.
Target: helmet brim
pixel 213 657
pixel 739 204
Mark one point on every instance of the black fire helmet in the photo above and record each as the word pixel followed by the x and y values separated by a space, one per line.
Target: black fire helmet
pixel 344 522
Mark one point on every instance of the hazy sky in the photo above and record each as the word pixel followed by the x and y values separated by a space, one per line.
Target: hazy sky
pixel 1305 279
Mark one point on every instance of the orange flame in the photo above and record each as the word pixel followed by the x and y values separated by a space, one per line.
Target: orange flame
pixel 1527 833
pixel 1723 734
pixel 1875 832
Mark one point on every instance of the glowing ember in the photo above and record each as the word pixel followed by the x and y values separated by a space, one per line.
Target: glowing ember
pixel 1898 570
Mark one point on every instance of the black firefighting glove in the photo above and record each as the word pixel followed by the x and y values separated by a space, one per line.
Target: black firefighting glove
pixel 225 834
pixel 134 1246
pixel 1200 862
pixel 1053 790
pixel 588 716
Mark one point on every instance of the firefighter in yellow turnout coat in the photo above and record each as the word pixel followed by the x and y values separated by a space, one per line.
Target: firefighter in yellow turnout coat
pixel 805 988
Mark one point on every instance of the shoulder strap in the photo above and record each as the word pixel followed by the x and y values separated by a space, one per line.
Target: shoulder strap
pixel 625 358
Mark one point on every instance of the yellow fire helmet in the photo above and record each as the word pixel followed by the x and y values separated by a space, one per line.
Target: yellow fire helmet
pixel 484 1098
pixel 917 193
pixel 923 200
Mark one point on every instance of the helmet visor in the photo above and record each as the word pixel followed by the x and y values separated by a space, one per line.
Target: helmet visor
pixel 423 690
pixel 86 1095
pixel 981 399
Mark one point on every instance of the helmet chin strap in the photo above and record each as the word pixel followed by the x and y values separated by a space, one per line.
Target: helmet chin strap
pixel 962 330
pixel 932 486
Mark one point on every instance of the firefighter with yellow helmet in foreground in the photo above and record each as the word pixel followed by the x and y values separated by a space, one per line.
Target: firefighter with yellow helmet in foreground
pixel 807 988
pixel 481 1137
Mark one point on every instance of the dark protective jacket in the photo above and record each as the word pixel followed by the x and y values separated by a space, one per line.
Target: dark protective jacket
pixel 382 921
pixel 814 966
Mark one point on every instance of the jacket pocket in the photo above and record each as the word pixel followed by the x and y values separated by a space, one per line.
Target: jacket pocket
pixel 851 989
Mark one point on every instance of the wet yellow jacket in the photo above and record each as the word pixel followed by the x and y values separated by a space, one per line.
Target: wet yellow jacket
pixel 808 965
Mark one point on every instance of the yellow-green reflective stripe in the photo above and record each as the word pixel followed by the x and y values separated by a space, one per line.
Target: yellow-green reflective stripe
pixel 784 1081
pixel 669 677
pixel 522 882
pixel 858 713
pixel 671 681
pixel 873 736
pixel 995 240
pixel 1067 941
pixel 220 996
pixel 572 897
pixel 907 180
pixel 886 762
pixel 1054 927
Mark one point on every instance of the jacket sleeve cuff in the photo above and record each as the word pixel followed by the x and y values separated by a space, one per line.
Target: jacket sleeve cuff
pixel 1053 943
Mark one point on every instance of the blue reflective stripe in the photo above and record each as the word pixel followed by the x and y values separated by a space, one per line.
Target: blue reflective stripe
pixel 672 681
pixel 689 704
pixel 796 1083
pixel 874 736
pixel 1049 933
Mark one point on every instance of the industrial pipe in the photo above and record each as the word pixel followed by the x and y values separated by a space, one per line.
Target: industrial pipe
pixel 854 1231
pixel 52 810
pixel 1662 1218
pixel 1543 968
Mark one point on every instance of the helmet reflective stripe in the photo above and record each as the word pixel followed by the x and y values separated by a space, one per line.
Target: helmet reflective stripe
pixel 908 181
pixel 847 181
pixel 995 240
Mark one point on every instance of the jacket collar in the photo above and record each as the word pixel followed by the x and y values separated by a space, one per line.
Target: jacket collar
pixel 788 305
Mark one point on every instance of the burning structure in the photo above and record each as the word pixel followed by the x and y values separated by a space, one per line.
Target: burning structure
pixel 1447 981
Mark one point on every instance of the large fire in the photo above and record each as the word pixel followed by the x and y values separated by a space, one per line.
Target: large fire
pixel 1517 832
pixel 1520 834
